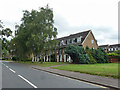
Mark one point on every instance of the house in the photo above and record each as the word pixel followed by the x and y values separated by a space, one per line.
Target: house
pixel 110 48
pixel 84 39
pixel 104 47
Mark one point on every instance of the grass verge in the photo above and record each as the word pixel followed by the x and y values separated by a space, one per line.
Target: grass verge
pixel 109 69
pixel 44 64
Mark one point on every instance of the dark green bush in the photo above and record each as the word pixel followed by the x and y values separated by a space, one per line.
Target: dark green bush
pixel 14 58
pixel 100 55
pixel 77 54
pixel 91 59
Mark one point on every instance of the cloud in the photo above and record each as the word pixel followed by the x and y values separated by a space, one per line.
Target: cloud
pixel 71 16
pixel 103 34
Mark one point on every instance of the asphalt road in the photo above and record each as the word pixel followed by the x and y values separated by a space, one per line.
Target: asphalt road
pixel 15 75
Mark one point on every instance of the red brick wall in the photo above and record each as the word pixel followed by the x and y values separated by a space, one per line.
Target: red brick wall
pixel 113 59
pixel 88 42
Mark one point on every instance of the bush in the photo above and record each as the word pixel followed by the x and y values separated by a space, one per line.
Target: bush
pixel 91 59
pixel 14 58
pixel 100 55
pixel 77 54
pixel 114 54
pixel 117 52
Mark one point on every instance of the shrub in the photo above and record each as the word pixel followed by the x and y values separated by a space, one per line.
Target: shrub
pixel 77 54
pixel 100 55
pixel 114 54
pixel 117 52
pixel 91 59
pixel 14 58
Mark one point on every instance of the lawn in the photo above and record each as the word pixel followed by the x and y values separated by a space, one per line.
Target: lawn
pixel 44 64
pixel 109 69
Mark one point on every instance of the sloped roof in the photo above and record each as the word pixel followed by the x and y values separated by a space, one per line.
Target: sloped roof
pixel 110 45
pixel 103 45
pixel 83 34
pixel 115 45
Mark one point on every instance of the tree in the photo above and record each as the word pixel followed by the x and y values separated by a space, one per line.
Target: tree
pixel 77 54
pixel 4 33
pixel 36 34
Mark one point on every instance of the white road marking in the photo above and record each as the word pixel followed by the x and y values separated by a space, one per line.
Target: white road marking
pixel 7 66
pixel 12 70
pixel 27 81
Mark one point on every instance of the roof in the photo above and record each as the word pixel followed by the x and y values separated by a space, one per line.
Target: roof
pixel 103 45
pixel 83 34
pixel 110 45
pixel 115 45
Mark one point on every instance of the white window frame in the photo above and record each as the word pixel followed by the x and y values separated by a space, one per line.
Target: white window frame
pixel 92 41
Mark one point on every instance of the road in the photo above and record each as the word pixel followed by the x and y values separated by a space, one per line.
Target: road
pixel 16 75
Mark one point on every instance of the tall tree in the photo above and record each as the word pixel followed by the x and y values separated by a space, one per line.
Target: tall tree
pixel 4 43
pixel 36 31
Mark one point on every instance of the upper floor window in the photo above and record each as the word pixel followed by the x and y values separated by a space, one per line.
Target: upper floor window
pixel 79 39
pixel 75 39
pixel 92 41
pixel 70 40
pixel 66 42
pixel 111 49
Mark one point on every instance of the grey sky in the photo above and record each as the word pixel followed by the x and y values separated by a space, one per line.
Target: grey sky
pixel 71 16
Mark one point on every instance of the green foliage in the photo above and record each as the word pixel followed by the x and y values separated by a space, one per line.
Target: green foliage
pixel 77 54
pixel 91 59
pixel 114 54
pixel 36 34
pixel 4 43
pixel 117 52
pixel 14 58
pixel 100 55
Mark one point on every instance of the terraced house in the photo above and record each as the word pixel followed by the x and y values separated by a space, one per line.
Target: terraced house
pixel 84 39
pixel 110 48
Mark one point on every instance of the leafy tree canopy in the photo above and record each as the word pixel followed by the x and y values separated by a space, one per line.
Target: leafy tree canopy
pixel 36 34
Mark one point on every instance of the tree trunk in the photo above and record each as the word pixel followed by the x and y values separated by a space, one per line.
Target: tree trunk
pixel 33 58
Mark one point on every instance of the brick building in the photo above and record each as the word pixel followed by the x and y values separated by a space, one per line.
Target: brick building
pixel 84 39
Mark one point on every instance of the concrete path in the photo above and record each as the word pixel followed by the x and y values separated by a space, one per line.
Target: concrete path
pixel 100 80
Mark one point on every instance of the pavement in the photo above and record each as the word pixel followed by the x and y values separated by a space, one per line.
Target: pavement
pixel 99 80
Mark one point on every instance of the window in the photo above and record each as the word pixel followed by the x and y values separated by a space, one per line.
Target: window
pixel 66 42
pixel 109 49
pixel 92 41
pixel 75 39
pixel 115 49
pixel 79 39
pixel 70 41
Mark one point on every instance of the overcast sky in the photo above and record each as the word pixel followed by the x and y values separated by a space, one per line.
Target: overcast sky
pixel 71 16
